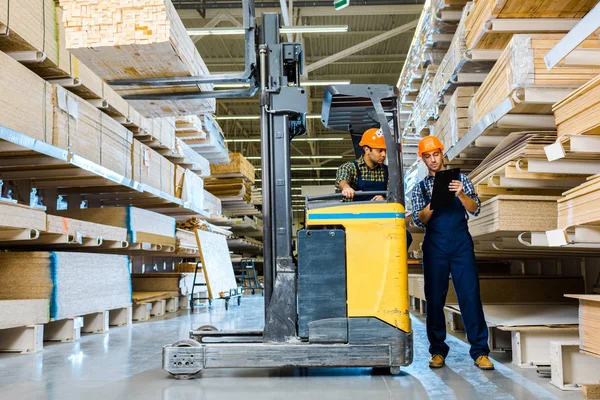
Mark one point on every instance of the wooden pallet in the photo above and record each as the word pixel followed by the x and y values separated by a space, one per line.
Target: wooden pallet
pixel 117 49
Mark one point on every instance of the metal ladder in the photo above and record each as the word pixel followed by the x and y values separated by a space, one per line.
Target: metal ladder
pixel 195 284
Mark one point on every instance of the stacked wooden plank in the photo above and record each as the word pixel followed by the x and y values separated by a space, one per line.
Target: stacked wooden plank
pixel 579 113
pixel 189 188
pixel 506 214
pixel 239 167
pixel 589 323
pixel 75 283
pixel 424 105
pixel 156 282
pixel 212 146
pixel 189 127
pixel 453 122
pixel 152 169
pixel 63 225
pixel 141 225
pixel 521 65
pixel 580 206
pixel 485 12
pixel 185 156
pixel 122 40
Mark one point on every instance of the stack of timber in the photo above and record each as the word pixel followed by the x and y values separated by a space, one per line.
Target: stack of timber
pixel 194 224
pixel 589 323
pixel 142 226
pixel 189 188
pixel 424 105
pixel 503 215
pixel 165 282
pixel 118 49
pixel 521 66
pixel 75 284
pixel 152 169
pixel 212 146
pixel 581 205
pixel 184 156
pixel 189 127
pixel 453 122
pixel 239 167
pixel 482 32
pixel 518 166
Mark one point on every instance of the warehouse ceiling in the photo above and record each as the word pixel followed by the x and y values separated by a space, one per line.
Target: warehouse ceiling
pixel 377 61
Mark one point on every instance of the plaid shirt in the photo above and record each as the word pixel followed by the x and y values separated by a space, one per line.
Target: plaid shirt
pixel 418 200
pixel 347 172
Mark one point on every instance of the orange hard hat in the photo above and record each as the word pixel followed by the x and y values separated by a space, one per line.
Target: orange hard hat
pixel 430 143
pixel 373 138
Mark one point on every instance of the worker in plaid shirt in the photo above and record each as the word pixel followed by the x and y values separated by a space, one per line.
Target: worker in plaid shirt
pixel 367 174
pixel 448 251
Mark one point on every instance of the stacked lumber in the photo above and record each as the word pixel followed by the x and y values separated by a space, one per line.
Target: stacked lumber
pixel 83 130
pixel 521 65
pixel 212 146
pixel 453 122
pixel 589 323
pixel 239 167
pixel 156 282
pixel 229 189
pixel 505 214
pixel 212 204
pixel 190 188
pixel 506 169
pixel 581 205
pixel 32 97
pixel 141 225
pixel 21 217
pixel 511 289
pixel 186 157
pixel 151 297
pixel 424 109
pixel 189 127
pixel 75 283
pixel 63 225
pixel 157 133
pixel 152 169
pixel 480 36
pixel 578 113
pixel 123 40
pixel 17 313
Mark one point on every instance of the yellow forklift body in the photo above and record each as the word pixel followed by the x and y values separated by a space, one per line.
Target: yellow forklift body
pixel 376 265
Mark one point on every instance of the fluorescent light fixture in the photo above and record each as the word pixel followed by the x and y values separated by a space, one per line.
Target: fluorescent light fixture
pixel 304 83
pixel 300 157
pixel 282 30
pixel 251 117
pixel 300 139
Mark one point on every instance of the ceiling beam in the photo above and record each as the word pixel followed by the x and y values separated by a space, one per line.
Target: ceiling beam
pixel 363 45
pixel 399 9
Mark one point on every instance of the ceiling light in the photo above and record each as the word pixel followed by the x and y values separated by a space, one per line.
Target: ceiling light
pixel 308 169
pixel 282 30
pixel 250 117
pixel 299 139
pixel 300 157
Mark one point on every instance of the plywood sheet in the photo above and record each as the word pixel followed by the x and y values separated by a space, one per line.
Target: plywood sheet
pixel 529 315
pixel 216 263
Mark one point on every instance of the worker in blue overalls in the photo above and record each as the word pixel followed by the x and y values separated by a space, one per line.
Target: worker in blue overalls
pixel 448 250
pixel 368 173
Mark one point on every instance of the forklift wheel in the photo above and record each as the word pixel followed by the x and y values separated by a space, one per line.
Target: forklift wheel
pixel 395 370
pixel 207 328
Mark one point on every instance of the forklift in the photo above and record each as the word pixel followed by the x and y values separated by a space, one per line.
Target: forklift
pixel 345 303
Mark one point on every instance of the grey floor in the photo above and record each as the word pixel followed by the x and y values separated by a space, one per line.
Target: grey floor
pixel 126 364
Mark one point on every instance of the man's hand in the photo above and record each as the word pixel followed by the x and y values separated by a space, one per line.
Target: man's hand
pixel 457 187
pixel 378 198
pixel 348 192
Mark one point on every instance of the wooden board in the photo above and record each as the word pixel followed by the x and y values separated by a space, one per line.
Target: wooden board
pixel 239 167
pixel 155 282
pixel 26 107
pixel 522 65
pixel 20 216
pixel 528 314
pixel 152 169
pixel 134 220
pixel 453 122
pixel 581 205
pixel 189 127
pixel 74 283
pixel 64 225
pixel 514 214
pixel 17 313
pixel 216 263
pixel 578 113
pixel 486 11
pixel 150 297
pixel 589 323
pixel 515 289
pixel 126 40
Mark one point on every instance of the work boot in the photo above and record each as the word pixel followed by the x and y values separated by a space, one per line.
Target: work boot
pixel 484 362
pixel 437 361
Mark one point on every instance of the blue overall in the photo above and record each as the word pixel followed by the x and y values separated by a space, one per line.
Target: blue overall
pixel 375 186
pixel 448 250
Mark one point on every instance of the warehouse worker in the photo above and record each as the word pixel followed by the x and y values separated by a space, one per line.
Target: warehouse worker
pixel 448 250
pixel 368 173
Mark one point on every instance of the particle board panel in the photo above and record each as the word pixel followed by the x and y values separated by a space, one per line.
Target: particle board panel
pixel 146 40
pixel 17 313
pixel 134 220
pixel 155 282
pixel 64 225
pixel 20 216
pixel 26 107
pixel 75 283
pixel 508 289
pixel 589 322
pixel 216 263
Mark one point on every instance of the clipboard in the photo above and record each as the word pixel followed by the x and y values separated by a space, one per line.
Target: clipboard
pixel 442 196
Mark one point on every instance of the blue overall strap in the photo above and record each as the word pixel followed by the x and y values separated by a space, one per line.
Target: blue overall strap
pixel 386 175
pixel 424 192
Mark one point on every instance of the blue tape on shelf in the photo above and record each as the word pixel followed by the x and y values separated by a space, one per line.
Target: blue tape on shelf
pixel 53 278
pixel 128 224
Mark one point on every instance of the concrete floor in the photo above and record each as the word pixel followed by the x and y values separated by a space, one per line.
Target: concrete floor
pixel 126 364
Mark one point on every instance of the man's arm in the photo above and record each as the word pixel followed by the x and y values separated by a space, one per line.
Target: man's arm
pixel 345 175
pixel 420 216
pixel 465 191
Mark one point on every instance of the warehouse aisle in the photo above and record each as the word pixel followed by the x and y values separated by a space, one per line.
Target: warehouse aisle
pixel 125 364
